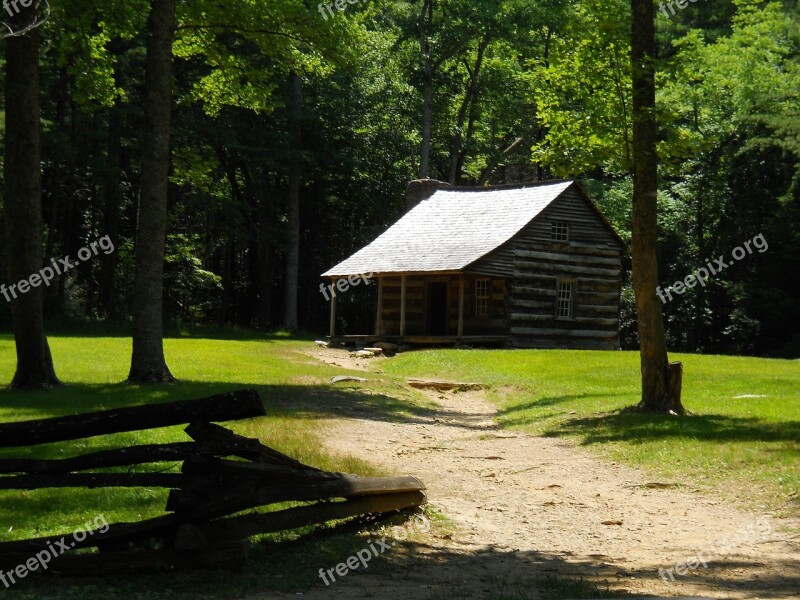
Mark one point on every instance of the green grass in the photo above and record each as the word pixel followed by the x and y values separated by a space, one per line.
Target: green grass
pixel 746 447
pixel 296 394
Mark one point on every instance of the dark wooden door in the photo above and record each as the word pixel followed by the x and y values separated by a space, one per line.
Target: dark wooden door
pixel 437 308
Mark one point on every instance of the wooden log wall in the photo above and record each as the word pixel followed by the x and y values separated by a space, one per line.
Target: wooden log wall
pixel 495 323
pixel 591 259
pixel 415 306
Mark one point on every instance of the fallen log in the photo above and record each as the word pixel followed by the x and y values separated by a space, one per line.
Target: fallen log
pixel 444 386
pixel 258 493
pixel 245 526
pixel 133 455
pixel 220 407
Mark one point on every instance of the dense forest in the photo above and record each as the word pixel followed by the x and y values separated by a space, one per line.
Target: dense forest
pixel 295 127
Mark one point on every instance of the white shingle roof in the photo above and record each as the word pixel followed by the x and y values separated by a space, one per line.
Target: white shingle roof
pixel 451 230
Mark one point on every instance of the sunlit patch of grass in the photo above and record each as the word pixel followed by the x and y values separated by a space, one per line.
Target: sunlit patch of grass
pixel 298 401
pixel 742 431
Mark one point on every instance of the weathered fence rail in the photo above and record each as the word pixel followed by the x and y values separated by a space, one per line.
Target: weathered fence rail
pixel 201 527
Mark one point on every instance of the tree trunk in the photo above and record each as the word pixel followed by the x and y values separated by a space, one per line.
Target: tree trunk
pixel 147 362
pixel 293 213
pixel 457 145
pixel 657 389
pixel 112 193
pixel 425 20
pixel 23 207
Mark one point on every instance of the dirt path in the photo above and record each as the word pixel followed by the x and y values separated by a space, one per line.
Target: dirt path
pixel 523 509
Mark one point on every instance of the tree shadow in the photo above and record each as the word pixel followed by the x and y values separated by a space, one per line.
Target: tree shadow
pixel 635 428
pixel 429 568
pixel 514 414
pixel 306 401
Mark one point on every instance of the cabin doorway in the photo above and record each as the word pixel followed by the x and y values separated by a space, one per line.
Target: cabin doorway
pixel 437 308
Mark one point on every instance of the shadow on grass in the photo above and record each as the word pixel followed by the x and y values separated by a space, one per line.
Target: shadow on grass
pixel 117 329
pixel 512 413
pixel 427 569
pixel 306 401
pixel 633 427
pixel 628 425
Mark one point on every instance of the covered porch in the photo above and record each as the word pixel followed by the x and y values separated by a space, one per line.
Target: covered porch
pixel 439 308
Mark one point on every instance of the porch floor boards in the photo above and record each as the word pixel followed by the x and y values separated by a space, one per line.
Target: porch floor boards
pixel 420 339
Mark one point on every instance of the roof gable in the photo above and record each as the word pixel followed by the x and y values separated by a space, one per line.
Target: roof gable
pixel 451 229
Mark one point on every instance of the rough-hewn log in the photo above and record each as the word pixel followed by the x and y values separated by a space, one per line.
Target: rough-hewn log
pixel 241 527
pixel 228 556
pixel 261 493
pixel 209 432
pixel 220 407
pixel 91 480
pixel 567 257
pixel 523 269
pixel 443 386
pixel 233 473
pixel 563 332
pixel 134 455
pixel 599 321
pixel 166 526
pixel 117 532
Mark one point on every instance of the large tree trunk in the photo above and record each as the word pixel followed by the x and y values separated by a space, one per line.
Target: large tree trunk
pixel 293 213
pixel 457 144
pixel 660 390
pixel 147 362
pixel 265 260
pixel 426 21
pixel 23 207
pixel 112 196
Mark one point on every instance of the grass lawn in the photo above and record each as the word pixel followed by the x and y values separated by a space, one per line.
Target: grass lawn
pixel 742 436
pixel 93 368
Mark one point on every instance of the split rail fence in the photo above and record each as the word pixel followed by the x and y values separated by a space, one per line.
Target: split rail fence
pixel 222 475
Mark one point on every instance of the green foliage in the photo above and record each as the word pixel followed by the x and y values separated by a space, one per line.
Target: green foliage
pixel 583 92
pixel 521 92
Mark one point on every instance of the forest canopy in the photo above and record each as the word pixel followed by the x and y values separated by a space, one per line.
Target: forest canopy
pixel 283 113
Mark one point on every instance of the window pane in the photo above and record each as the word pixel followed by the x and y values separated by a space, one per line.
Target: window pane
pixel 482 297
pixel 560 231
pixel 564 300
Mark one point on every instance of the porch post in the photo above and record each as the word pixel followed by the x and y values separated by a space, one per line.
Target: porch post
pixel 380 306
pixel 333 313
pixel 461 305
pixel 402 305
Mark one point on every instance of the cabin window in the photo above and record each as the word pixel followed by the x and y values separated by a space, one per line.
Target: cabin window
pixel 560 231
pixel 482 297
pixel 564 299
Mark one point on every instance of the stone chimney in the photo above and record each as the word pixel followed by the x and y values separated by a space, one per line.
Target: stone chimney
pixel 421 189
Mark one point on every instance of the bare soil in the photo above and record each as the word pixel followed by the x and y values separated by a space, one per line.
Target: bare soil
pixel 522 512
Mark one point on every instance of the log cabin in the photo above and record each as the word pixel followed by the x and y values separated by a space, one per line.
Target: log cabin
pixel 534 265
